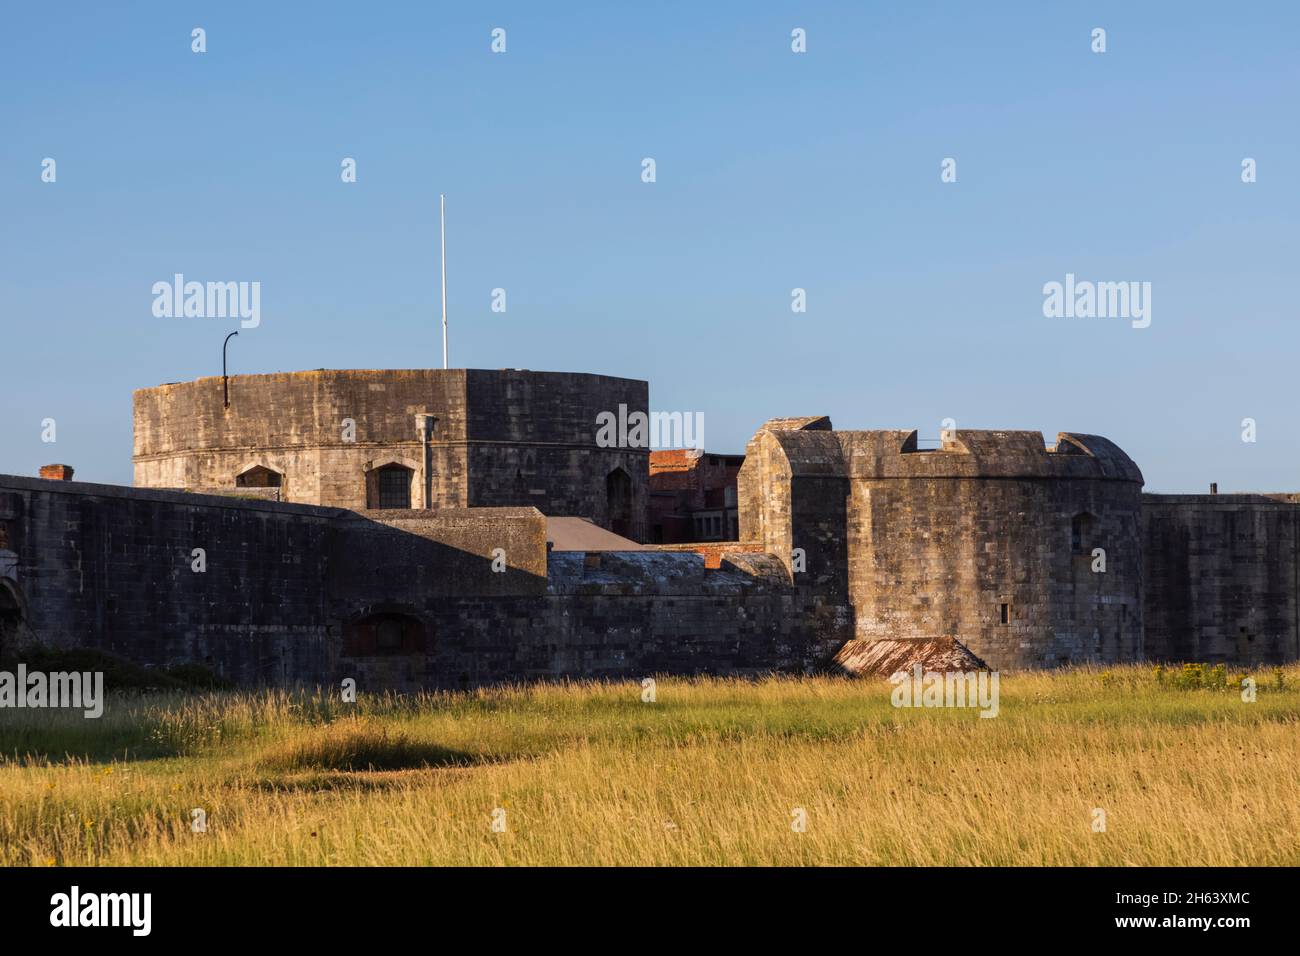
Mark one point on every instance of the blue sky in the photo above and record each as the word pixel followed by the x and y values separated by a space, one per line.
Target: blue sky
pixel 775 170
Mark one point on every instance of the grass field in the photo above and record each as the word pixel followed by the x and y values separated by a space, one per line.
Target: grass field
pixel 712 772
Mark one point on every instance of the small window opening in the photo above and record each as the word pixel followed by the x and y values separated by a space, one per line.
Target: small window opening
pixel 395 487
pixel 258 477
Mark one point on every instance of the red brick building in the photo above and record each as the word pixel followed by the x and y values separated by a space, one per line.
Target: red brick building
pixel 693 496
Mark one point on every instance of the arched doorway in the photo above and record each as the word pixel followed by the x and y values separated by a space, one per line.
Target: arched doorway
pixel 618 500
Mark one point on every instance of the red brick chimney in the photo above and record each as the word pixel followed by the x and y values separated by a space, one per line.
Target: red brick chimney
pixel 57 472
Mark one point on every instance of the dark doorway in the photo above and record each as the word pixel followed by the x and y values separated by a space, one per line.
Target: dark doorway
pixel 384 634
pixel 618 497
pixel 11 616
pixel 1081 533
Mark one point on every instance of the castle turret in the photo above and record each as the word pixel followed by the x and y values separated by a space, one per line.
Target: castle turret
pixel 401 439
pixel 1028 553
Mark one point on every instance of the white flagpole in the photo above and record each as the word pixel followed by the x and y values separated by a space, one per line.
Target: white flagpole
pixel 442 200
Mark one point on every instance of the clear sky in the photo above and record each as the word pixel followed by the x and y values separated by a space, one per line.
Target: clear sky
pixel 774 171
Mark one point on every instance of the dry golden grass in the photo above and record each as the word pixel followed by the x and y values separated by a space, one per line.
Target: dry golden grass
pixel 711 773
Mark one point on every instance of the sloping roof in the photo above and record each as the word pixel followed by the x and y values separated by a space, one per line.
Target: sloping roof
pixel 579 534
pixel 884 658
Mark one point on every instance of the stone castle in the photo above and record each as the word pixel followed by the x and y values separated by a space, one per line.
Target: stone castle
pixel 453 528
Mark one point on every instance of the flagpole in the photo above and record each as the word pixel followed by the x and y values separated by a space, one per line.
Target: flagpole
pixel 442 200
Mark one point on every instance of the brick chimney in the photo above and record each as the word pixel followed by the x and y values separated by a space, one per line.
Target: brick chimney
pixel 57 472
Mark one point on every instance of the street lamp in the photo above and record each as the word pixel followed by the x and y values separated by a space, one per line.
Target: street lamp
pixel 225 380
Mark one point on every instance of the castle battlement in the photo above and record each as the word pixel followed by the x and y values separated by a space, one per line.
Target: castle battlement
pixel 809 448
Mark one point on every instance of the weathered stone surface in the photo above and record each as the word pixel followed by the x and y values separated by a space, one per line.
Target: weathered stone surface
pixel 989 537
pixel 112 567
pixel 502 438
pixel 294 593
pixel 1222 577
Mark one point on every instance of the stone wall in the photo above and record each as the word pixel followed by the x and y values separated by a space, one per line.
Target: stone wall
pixel 303 594
pixel 113 568
pixel 414 556
pixel 614 615
pixel 1222 577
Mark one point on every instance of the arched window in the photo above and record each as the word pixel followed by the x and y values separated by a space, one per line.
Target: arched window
pixel 384 634
pixel 391 487
pixel 618 498
pixel 259 477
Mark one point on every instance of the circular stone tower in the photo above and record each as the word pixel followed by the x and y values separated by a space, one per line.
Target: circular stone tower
pixel 400 439
pixel 1027 553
